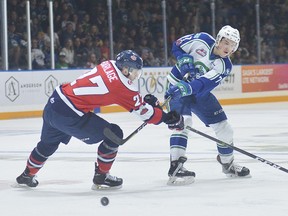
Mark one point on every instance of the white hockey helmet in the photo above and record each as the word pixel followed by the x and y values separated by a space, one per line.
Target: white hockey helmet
pixel 229 33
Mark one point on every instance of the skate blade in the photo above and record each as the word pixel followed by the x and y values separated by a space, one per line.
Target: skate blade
pixel 231 175
pixel 105 187
pixel 175 181
pixel 16 185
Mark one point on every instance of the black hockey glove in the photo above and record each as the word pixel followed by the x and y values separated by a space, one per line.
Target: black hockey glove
pixel 174 121
pixel 152 100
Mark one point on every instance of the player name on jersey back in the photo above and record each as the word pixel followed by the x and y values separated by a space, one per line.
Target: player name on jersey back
pixel 109 71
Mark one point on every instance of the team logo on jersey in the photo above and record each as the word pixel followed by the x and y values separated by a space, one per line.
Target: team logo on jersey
pixel 201 52
pixel 143 111
pixel 52 100
pixel 178 42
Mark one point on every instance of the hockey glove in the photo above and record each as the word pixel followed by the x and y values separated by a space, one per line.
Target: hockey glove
pixel 152 100
pixel 181 89
pixel 174 121
pixel 185 64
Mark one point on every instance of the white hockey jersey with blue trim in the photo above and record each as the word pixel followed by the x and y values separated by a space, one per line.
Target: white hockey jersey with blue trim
pixel 211 69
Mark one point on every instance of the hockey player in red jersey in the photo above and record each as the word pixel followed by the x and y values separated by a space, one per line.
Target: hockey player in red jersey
pixel 68 113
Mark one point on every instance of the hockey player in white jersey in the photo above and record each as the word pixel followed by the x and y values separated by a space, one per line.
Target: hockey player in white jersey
pixel 207 62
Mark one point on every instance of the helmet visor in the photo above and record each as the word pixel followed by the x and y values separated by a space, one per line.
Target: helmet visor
pixel 135 73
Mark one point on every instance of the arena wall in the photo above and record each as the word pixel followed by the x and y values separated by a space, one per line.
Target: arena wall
pixel 24 93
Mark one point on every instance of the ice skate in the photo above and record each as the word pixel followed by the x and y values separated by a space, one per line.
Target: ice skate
pixel 26 180
pixel 105 181
pixel 234 170
pixel 178 175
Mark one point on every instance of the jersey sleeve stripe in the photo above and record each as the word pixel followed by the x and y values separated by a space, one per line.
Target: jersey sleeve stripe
pixel 172 79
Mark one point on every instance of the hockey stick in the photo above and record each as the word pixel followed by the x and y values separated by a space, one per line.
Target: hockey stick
pixel 239 150
pixel 119 141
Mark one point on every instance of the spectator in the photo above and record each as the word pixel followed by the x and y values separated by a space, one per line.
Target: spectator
pixel 146 17
pixel 130 44
pixel 42 13
pixel 101 20
pixel 80 33
pixel 75 20
pixel 14 18
pixel 37 56
pixel 145 57
pixel 42 38
pixel 122 36
pixel 105 50
pixel 152 60
pixel 80 53
pixel 65 19
pixel 56 39
pixel 47 52
pixel 62 64
pixel 94 32
pixel 94 46
pixel 17 7
pixel 92 61
pixel 67 33
pixel 16 45
pixel 281 51
pixel 86 23
pixel 122 14
pixel 69 52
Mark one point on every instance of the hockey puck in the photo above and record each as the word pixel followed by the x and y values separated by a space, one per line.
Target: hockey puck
pixel 104 201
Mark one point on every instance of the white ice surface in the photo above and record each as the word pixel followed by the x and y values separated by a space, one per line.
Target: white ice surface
pixel 143 162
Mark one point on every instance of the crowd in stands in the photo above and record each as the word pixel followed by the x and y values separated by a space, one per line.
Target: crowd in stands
pixel 81 32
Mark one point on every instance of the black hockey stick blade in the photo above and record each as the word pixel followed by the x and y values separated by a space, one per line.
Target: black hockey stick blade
pixel 239 150
pixel 112 136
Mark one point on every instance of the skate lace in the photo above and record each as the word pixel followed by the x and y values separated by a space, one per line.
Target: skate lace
pixel 183 169
pixel 34 179
pixel 110 177
pixel 235 167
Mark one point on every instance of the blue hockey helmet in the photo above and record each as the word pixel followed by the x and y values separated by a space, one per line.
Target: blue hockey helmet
pixel 130 60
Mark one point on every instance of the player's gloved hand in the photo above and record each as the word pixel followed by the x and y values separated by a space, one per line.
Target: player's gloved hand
pixel 185 64
pixel 174 121
pixel 181 89
pixel 152 100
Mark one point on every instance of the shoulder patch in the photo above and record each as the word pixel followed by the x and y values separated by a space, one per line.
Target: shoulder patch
pixel 227 71
pixel 178 42
pixel 201 52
